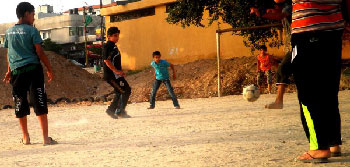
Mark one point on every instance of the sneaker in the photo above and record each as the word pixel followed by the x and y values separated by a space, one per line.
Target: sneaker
pixel 150 107
pixel 177 107
pixel 111 114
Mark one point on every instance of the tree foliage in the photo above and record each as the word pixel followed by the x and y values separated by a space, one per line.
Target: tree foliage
pixel 233 12
pixel 49 45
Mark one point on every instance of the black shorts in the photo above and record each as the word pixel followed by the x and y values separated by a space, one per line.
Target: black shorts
pixel 284 70
pixel 29 78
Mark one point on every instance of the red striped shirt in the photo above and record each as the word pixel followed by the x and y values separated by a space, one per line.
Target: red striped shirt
pixel 312 15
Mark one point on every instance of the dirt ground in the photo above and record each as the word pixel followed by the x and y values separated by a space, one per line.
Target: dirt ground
pixel 225 131
pixel 70 80
pixel 194 80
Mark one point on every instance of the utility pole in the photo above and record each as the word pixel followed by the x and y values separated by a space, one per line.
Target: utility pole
pixel 85 36
pixel 102 28
pixel 218 59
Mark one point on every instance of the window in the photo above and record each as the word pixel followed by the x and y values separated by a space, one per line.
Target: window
pixel 133 14
pixel 80 31
pixel 72 31
pixel 44 35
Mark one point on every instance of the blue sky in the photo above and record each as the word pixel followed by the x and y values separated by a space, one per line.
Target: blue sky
pixel 8 7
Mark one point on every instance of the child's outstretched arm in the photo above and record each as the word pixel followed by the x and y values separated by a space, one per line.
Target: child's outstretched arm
pixel 111 66
pixel 172 68
pixel 8 73
pixel 45 60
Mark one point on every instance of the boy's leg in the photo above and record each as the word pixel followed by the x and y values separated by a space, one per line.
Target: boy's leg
pixel 282 80
pixel 39 99
pixel 278 104
pixel 115 102
pixel 156 85
pixel 44 127
pixel 317 66
pixel 269 81
pixel 124 95
pixel 171 92
pixel 24 128
pixel 20 86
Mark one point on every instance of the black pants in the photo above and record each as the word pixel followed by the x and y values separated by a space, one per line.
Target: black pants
pixel 122 93
pixel 316 70
pixel 32 81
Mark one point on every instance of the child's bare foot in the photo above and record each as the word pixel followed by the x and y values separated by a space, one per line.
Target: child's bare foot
pixel 50 141
pixel 274 106
pixel 335 151
pixel 25 140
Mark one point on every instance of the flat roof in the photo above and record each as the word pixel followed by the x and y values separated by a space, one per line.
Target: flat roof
pixel 133 6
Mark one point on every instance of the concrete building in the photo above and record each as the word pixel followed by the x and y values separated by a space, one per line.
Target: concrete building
pixel 144 30
pixel 43 11
pixel 61 29
pixel 67 28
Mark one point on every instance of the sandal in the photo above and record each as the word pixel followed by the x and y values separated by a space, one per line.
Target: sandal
pixel 335 154
pixel 51 142
pixel 307 158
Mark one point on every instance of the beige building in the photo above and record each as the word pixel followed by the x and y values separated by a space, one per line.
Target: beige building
pixel 144 30
pixel 61 29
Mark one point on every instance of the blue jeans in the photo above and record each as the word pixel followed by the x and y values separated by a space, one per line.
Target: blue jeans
pixel 156 85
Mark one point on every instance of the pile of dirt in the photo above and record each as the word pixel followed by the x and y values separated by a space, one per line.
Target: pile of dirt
pixel 199 79
pixel 194 80
pixel 70 80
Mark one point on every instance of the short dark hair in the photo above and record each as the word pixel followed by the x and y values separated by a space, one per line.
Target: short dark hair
pixel 113 30
pixel 156 53
pixel 24 7
pixel 263 47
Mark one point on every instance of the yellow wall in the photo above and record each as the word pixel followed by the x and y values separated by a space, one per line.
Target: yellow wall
pixel 140 37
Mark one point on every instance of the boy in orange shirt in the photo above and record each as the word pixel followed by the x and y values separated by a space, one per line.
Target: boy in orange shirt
pixel 264 67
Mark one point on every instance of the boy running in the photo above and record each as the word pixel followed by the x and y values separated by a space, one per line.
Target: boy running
pixel 161 74
pixel 25 73
pixel 114 75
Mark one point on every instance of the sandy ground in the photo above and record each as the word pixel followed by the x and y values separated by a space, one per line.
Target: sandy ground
pixel 225 131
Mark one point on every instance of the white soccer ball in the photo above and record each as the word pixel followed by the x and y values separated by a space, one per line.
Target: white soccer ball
pixel 251 93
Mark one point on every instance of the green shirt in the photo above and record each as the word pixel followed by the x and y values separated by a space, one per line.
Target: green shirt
pixel 161 69
pixel 20 40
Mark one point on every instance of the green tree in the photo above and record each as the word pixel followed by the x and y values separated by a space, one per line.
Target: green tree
pixel 49 45
pixel 234 12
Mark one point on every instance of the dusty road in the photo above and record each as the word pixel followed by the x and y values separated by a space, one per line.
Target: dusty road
pixel 225 131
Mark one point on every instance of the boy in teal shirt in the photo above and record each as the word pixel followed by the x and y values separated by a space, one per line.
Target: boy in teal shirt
pixel 162 76
pixel 25 72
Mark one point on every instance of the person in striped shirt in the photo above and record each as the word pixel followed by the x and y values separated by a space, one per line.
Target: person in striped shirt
pixel 317 29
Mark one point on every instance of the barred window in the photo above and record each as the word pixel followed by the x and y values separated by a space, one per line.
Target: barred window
pixel 135 14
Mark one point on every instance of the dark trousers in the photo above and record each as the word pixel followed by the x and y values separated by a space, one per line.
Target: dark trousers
pixel 33 82
pixel 122 93
pixel 316 70
pixel 156 85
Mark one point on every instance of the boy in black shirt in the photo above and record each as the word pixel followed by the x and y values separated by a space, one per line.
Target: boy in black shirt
pixel 114 75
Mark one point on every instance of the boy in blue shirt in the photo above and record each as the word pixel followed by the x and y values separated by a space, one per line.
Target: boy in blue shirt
pixel 161 74
pixel 25 72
